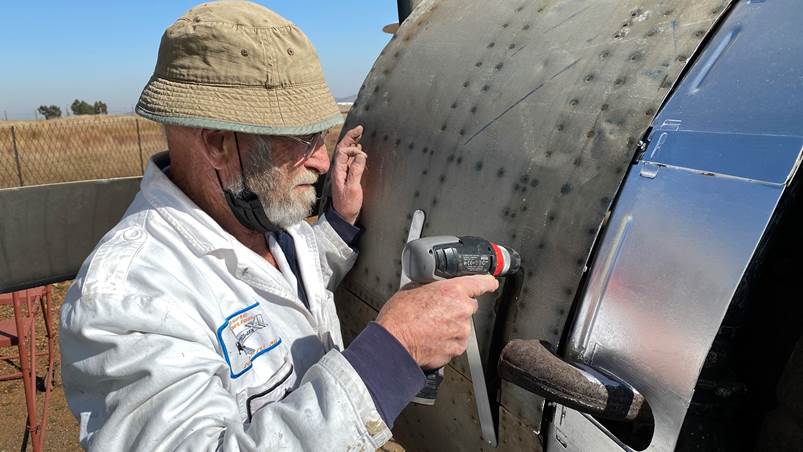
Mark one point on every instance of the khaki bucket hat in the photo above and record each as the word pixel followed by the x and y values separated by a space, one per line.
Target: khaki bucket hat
pixel 236 65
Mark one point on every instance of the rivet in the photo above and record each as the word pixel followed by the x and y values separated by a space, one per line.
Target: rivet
pixel 291 52
pixel 244 52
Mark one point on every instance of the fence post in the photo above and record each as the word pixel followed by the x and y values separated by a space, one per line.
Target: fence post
pixel 139 143
pixel 16 154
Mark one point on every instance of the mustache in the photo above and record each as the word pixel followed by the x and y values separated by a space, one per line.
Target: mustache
pixel 307 177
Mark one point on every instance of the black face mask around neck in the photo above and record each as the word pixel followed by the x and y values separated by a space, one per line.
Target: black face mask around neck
pixel 246 206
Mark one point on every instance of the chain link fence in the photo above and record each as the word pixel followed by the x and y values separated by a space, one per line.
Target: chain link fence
pixel 78 148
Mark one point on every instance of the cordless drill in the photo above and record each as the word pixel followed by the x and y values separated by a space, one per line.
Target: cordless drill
pixel 430 259
pixel 442 257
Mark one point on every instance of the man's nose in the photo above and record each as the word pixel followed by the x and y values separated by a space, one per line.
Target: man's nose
pixel 319 160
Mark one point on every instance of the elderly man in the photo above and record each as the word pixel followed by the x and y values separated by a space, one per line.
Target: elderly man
pixel 205 319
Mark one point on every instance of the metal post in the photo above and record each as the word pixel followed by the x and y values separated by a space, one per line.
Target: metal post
pixel 139 143
pixel 16 153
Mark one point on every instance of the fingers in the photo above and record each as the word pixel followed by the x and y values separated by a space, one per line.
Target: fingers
pixel 356 169
pixel 341 165
pixel 352 136
pixel 475 285
pixel 349 165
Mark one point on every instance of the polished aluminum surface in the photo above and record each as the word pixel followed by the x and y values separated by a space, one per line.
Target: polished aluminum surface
pixel 572 431
pixel 675 251
pixel 46 231
pixel 750 78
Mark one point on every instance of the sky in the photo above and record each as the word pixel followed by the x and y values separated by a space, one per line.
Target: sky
pixel 54 52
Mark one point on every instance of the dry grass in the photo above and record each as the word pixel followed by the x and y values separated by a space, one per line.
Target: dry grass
pixel 82 148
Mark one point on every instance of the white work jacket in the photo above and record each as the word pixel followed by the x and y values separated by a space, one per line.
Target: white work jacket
pixel 175 336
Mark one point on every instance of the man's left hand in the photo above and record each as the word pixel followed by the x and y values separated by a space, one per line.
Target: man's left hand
pixel 347 174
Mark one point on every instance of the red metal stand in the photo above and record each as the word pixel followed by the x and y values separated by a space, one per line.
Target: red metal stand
pixel 21 331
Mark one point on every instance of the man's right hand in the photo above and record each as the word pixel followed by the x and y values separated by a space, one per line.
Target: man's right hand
pixel 432 321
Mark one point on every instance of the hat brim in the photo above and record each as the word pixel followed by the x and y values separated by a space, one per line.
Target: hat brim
pixel 292 110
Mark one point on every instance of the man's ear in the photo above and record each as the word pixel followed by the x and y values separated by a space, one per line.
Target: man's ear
pixel 218 147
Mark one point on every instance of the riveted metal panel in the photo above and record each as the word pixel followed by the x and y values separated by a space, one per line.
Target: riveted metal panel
pixel 516 121
pixel 46 231
pixel 456 414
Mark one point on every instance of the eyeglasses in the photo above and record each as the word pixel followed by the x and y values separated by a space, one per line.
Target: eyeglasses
pixel 310 142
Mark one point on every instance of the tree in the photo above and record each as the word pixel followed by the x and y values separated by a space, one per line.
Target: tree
pixel 80 107
pixel 49 111
pixel 100 108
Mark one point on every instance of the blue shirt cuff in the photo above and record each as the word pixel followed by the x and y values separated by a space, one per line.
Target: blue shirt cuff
pixel 347 231
pixel 391 375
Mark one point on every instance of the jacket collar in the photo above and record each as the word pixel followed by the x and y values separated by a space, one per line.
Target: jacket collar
pixel 202 234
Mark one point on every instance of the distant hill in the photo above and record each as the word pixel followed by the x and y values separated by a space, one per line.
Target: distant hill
pixel 351 98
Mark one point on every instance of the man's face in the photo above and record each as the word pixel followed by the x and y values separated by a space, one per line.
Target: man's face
pixel 272 170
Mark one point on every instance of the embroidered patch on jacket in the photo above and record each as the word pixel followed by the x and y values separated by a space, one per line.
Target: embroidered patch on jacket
pixel 244 336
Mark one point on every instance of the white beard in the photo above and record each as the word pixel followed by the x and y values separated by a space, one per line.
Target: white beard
pixel 284 204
